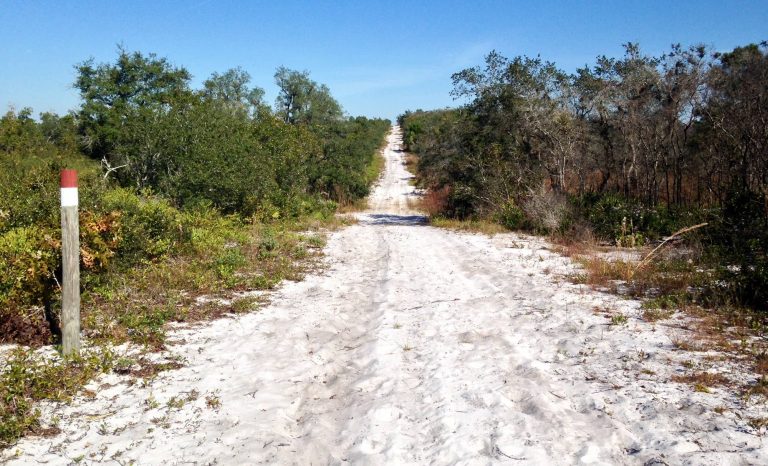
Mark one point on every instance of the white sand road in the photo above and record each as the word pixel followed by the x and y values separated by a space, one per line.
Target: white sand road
pixel 416 345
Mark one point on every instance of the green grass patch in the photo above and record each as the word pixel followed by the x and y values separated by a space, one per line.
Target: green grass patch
pixel 374 169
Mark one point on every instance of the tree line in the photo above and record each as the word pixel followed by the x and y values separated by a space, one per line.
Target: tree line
pixel 163 167
pixel 632 147
pixel 222 143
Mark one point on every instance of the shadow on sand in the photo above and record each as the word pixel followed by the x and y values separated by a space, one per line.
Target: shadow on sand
pixel 397 220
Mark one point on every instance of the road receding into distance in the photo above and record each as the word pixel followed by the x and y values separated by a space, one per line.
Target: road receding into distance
pixel 414 345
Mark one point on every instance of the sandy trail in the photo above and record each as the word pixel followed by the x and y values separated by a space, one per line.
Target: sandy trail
pixel 415 346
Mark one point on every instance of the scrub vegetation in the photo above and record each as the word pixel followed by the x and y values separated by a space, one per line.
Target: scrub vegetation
pixel 191 201
pixel 627 152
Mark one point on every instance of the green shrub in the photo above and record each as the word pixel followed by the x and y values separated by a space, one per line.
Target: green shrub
pixel 460 202
pixel 147 227
pixel 608 213
pixel 511 216
pixel 628 237
pixel 29 257
pixel 30 196
pixel 207 232
pixel 626 221
pixel 739 248
pixel 228 262
pixel 666 301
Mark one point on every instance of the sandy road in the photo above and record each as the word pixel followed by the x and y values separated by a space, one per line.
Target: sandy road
pixel 415 346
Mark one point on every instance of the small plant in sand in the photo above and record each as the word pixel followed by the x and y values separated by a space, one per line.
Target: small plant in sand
pixel 28 377
pixel 759 387
pixel 243 305
pixel 618 319
pixel 161 421
pixel 151 403
pixel 175 403
pixel 213 401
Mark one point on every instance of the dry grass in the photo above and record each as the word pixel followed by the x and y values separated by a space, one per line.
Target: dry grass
pixel 473 226
pixel 577 243
pixel 761 364
pixel 415 203
pixel 654 315
pixel 703 381
pixel 603 273
pixel 145 368
pixel 353 206
pixel 735 336
pixel 435 201
pixel 411 162
pixel 664 284
pixel 759 387
pixel 760 424
pixel 690 343
pixel 667 286
pixel 730 330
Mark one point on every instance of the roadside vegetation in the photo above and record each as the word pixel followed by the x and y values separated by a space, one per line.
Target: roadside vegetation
pixel 191 202
pixel 626 152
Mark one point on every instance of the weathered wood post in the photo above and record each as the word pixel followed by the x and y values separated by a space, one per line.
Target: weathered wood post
pixel 70 265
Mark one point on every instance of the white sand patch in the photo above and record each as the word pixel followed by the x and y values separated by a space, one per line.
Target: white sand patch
pixel 415 346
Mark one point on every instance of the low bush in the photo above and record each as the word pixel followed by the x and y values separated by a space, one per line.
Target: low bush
pixel 28 261
pixel 139 226
pixel 547 210
pixel 511 216
pixel 738 248
pixel 435 201
pixel 26 377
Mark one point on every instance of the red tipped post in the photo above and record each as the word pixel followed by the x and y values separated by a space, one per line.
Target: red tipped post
pixel 70 265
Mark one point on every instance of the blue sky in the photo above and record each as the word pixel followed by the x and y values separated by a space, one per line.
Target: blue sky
pixel 379 58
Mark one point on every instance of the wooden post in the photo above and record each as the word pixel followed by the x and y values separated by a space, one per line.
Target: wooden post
pixel 70 262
